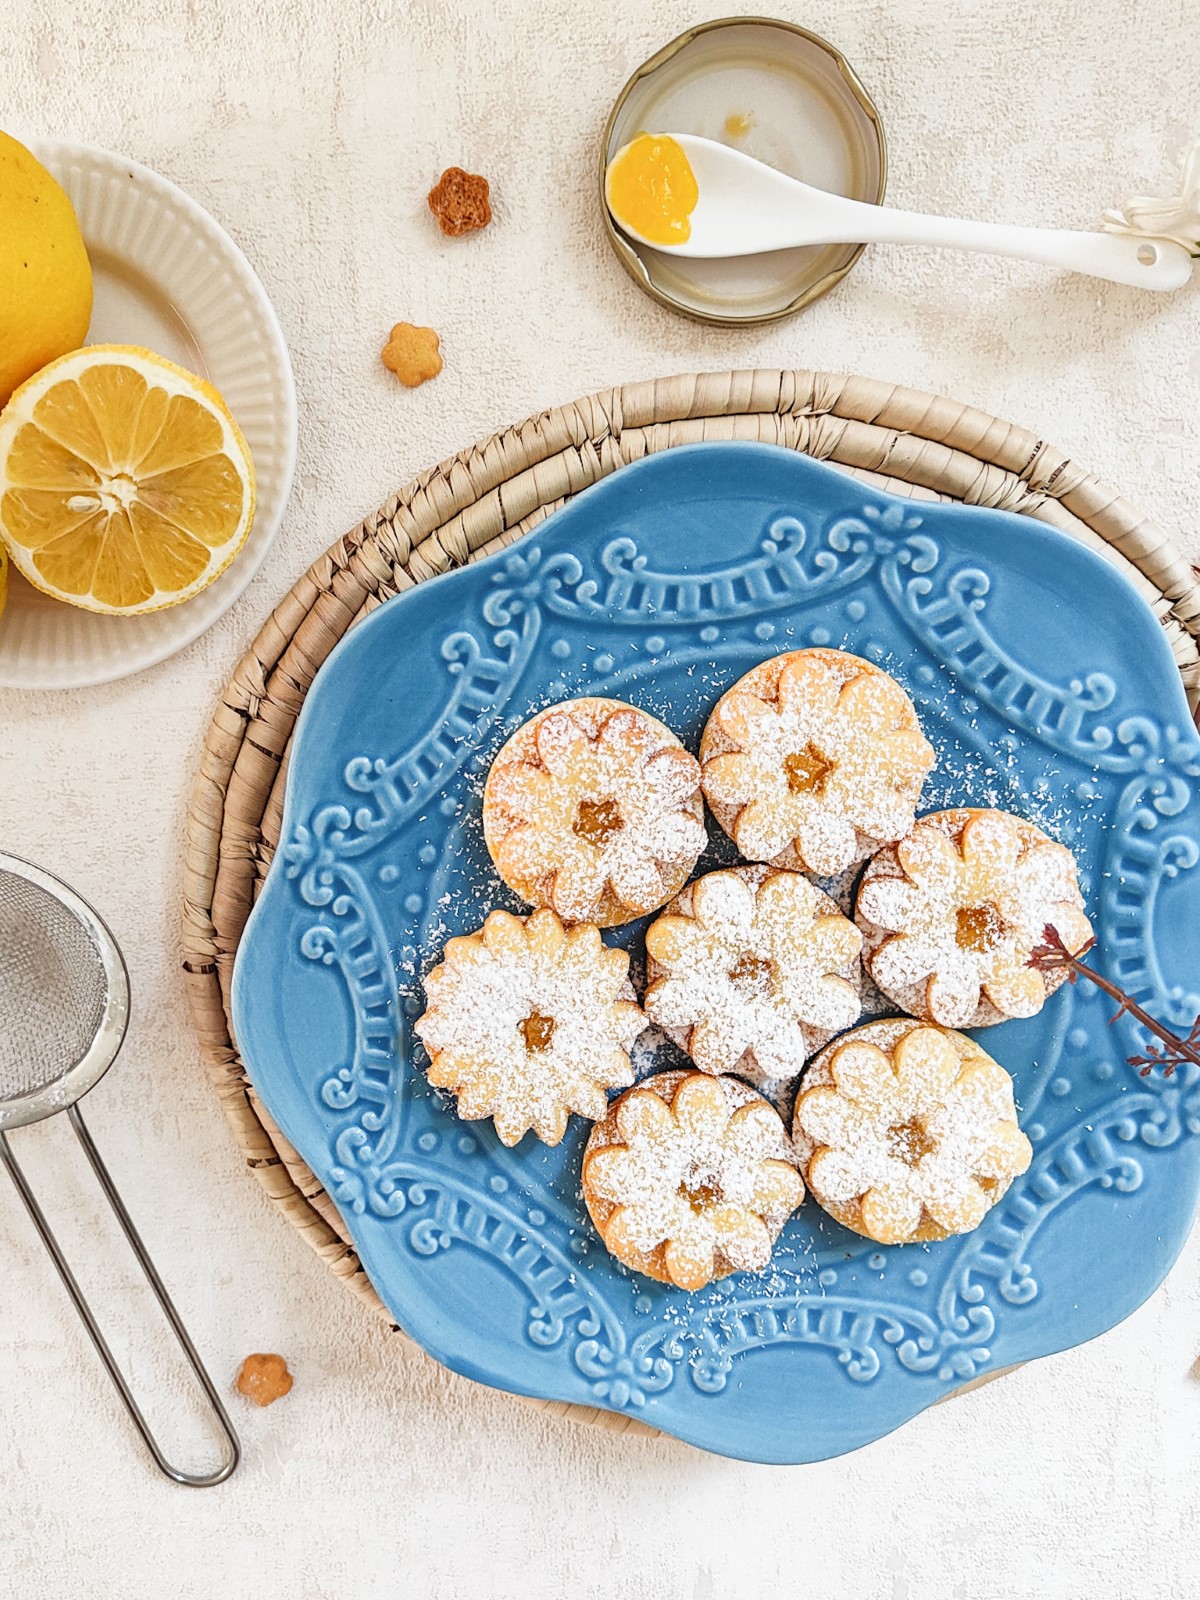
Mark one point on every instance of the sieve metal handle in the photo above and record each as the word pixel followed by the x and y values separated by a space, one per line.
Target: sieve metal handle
pixel 232 1452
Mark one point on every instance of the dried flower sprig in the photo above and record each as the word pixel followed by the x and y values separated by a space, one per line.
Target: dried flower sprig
pixel 1053 956
pixel 1174 217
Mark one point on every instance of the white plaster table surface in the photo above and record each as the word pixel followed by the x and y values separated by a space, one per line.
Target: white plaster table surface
pixel 312 129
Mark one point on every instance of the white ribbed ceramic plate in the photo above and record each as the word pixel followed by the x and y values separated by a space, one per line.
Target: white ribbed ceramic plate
pixel 170 278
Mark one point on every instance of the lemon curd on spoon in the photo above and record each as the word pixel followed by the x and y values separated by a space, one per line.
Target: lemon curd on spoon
pixel 651 189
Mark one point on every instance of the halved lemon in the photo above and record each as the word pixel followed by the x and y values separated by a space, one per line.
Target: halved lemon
pixel 125 483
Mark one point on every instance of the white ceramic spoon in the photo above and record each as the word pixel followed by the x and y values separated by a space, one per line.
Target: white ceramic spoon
pixel 746 208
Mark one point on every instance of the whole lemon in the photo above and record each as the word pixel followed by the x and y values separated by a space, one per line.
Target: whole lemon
pixel 45 275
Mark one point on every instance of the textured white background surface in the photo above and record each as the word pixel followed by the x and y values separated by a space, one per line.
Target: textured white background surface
pixel 312 129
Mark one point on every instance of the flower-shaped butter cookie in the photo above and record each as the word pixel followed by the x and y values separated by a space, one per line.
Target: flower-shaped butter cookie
pixel 461 201
pixel 813 760
pixel 907 1131
pixel 593 807
pixel 528 1021
pixel 413 354
pixel 750 970
pixel 951 916
pixel 690 1177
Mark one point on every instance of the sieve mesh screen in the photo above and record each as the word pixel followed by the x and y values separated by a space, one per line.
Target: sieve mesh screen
pixel 53 987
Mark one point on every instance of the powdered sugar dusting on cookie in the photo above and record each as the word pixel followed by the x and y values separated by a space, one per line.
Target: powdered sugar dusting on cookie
pixel 750 970
pixel 813 760
pixel 528 1022
pixel 953 912
pixel 907 1130
pixel 690 1177
pixel 966 767
pixel 594 808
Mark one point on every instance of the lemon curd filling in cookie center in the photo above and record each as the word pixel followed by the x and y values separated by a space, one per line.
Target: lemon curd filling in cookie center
pixel 537 1031
pixel 752 974
pixel 807 770
pixel 701 1190
pixel 908 1142
pixel 597 821
pixel 978 928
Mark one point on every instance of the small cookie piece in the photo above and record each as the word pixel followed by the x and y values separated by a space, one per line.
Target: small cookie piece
pixel 593 807
pixel 813 760
pixel 750 970
pixel 412 354
pixel 689 1178
pixel 951 916
pixel 907 1131
pixel 264 1379
pixel 528 1021
pixel 459 200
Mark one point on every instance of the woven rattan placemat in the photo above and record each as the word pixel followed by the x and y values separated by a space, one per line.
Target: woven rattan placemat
pixel 486 497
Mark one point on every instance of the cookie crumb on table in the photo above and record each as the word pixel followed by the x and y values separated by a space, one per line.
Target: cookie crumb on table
pixel 264 1379
pixel 412 353
pixel 459 200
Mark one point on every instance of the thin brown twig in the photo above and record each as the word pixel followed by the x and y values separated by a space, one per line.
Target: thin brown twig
pixel 1053 956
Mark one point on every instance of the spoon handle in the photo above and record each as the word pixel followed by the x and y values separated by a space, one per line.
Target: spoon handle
pixel 1121 258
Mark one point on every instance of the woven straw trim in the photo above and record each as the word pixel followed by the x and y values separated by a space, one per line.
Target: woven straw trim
pixel 490 495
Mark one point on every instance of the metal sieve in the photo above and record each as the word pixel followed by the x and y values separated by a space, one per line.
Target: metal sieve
pixel 64 1009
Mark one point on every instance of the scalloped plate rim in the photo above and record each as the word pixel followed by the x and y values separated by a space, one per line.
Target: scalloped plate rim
pixel 363 1237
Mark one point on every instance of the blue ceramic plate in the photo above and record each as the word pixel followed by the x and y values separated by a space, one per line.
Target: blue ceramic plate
pixel 1046 687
